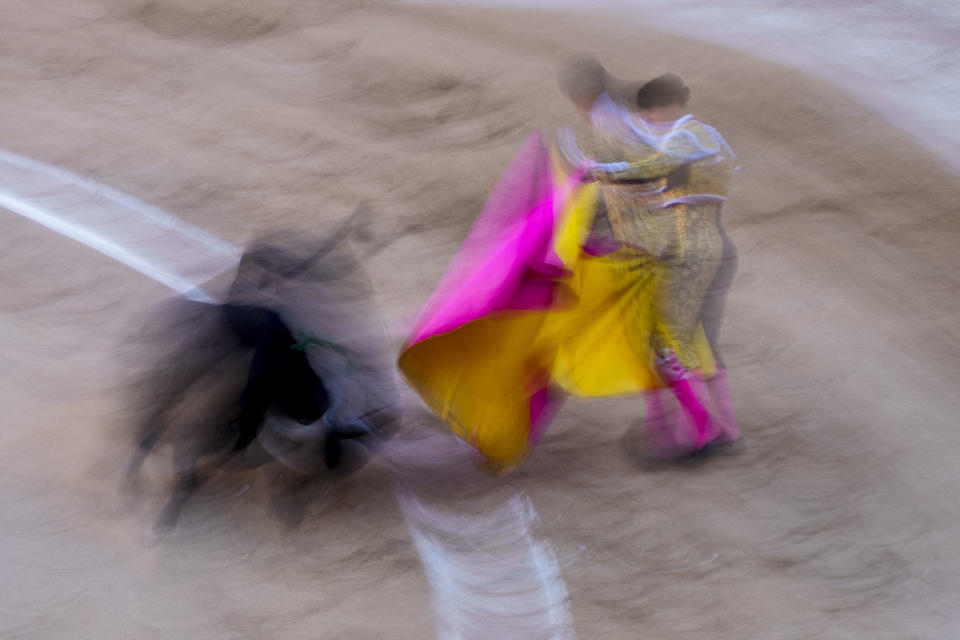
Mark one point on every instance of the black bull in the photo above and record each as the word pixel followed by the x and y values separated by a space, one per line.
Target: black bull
pixel 290 369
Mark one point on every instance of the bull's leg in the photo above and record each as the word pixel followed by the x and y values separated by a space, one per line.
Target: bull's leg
pixel 332 452
pixel 196 441
pixel 186 485
pixel 148 440
pixel 164 390
pixel 291 493
pixel 150 435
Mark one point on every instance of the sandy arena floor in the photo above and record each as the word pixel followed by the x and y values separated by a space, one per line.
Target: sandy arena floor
pixel 839 521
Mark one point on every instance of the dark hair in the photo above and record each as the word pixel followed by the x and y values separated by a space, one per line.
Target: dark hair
pixel 663 91
pixel 582 79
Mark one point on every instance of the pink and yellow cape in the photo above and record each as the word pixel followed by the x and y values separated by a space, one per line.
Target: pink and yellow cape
pixel 528 311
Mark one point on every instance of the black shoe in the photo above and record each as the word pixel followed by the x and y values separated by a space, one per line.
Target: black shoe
pixel 725 448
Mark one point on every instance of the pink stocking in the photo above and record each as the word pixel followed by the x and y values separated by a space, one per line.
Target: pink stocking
pixel 695 426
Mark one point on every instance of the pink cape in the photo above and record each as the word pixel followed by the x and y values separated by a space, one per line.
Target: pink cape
pixel 507 261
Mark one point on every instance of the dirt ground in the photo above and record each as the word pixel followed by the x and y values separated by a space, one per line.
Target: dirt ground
pixel 839 521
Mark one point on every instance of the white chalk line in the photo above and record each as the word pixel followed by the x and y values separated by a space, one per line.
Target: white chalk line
pixel 95 188
pixel 99 243
pixel 48 196
pixel 490 577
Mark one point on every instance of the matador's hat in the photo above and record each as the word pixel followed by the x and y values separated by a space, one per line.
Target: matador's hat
pixel 662 91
